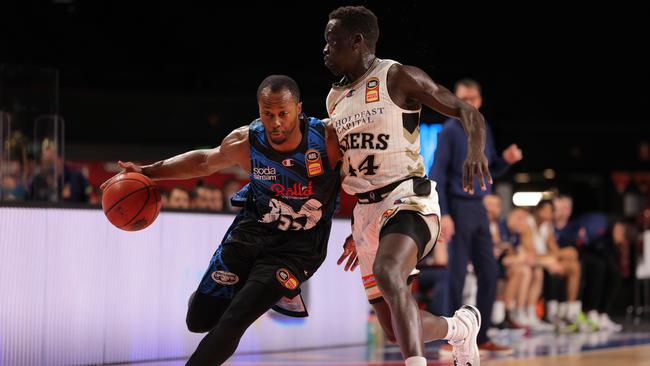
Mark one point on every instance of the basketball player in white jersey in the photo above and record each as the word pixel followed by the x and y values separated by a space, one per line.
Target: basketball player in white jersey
pixel 375 111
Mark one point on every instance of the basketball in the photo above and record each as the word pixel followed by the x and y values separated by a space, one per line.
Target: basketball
pixel 131 201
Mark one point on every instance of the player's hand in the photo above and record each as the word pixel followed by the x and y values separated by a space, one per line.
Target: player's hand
pixel 350 252
pixel 475 166
pixel 447 228
pixel 126 168
pixel 512 154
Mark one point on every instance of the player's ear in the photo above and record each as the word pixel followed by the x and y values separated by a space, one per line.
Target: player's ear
pixel 299 109
pixel 357 40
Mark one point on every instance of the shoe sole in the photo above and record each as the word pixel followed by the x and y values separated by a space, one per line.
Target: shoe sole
pixel 474 333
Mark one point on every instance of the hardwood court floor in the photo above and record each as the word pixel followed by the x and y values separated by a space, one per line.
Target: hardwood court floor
pixel 596 349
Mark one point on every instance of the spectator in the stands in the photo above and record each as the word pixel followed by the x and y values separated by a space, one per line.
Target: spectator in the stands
pixel 200 197
pixel 178 198
pixel 216 198
pixel 46 184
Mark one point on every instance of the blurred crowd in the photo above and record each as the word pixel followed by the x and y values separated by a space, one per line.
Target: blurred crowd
pixel 557 272
pixel 206 197
pixel 44 179
pixel 49 179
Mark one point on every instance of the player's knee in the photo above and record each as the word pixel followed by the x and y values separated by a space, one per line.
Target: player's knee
pixel 388 276
pixel 197 325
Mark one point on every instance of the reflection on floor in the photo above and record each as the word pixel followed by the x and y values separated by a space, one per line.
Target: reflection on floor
pixel 547 346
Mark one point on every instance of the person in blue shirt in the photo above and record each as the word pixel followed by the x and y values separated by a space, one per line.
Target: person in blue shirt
pixel 464 220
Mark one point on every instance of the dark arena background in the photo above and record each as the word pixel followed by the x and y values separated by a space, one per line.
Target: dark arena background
pixel 84 84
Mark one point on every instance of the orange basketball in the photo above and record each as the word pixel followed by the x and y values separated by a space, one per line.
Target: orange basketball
pixel 131 201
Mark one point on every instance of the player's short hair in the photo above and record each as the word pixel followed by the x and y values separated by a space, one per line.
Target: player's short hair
pixel 278 83
pixel 358 19
pixel 468 83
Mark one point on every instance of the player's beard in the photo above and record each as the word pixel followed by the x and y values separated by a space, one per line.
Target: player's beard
pixel 278 140
pixel 333 68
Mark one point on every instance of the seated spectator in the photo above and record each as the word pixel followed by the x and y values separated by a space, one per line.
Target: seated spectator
pixel 526 290
pixel 600 262
pixel 45 184
pixel 200 197
pixel 178 198
pixel 560 265
pixel 515 268
pixel 10 189
pixel 216 198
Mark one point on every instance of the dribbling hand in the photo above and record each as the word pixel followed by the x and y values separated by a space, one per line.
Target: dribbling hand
pixel 126 168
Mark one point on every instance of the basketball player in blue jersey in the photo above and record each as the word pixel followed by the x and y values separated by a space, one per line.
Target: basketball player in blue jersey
pixel 280 237
pixel 375 112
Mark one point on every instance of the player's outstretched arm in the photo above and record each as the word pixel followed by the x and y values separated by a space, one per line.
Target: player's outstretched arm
pixel 418 86
pixel 234 150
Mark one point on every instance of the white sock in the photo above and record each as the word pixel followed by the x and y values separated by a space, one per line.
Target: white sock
pixel 531 314
pixel 520 316
pixel 456 331
pixel 416 361
pixel 498 312
pixel 551 309
pixel 573 308
pixel 562 310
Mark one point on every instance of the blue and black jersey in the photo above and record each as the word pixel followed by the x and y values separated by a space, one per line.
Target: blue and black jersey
pixel 294 190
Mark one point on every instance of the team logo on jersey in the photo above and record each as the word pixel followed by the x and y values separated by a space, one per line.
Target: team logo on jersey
pixel 372 90
pixel 286 279
pixel 225 278
pixel 350 93
pixel 287 162
pixel 313 163
pixel 295 191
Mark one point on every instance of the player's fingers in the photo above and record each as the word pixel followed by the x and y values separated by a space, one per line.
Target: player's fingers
pixel 481 177
pixel 350 261
pixel 355 264
pixel 470 178
pixel 128 166
pixel 486 171
pixel 342 258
